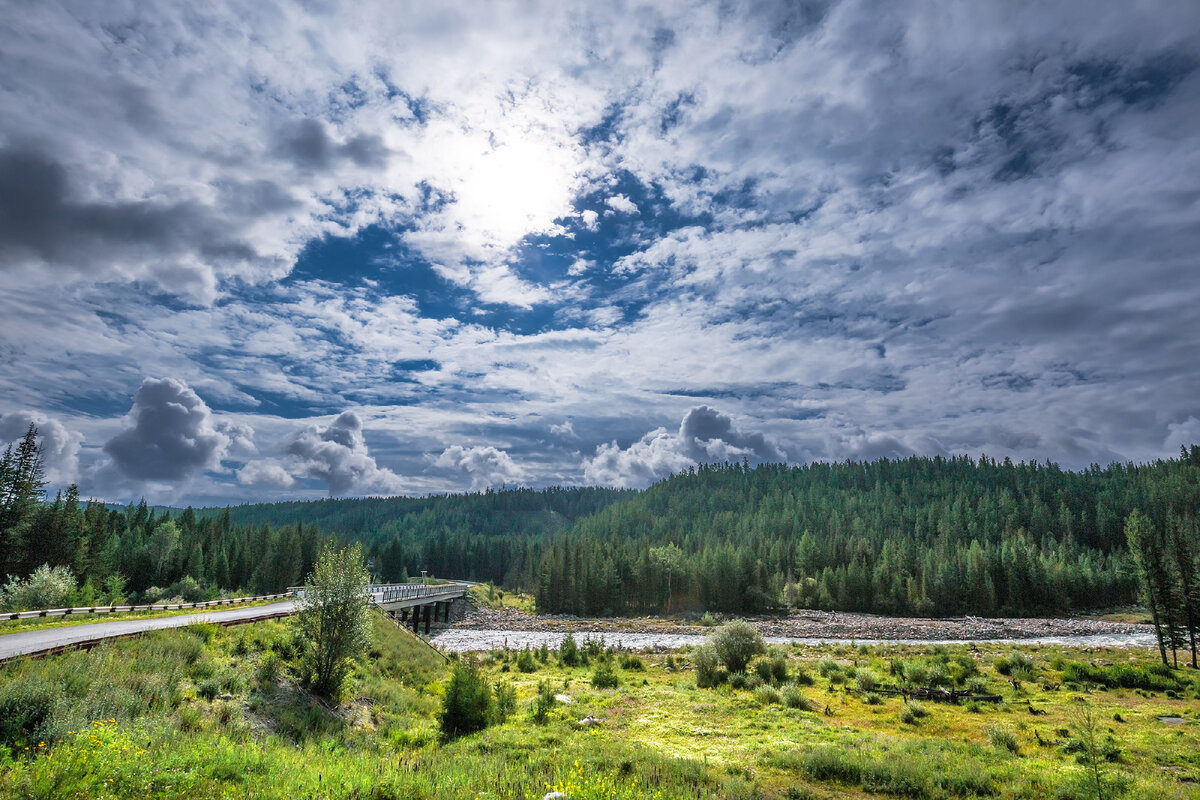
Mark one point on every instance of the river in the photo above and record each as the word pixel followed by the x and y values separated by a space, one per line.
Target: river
pixel 462 640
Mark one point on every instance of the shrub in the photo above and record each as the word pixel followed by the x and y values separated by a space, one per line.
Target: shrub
pixel 738 680
pixel 735 643
pixel 802 677
pixel 543 703
pixel 334 617
pixel 708 672
pixel 525 662
pixel 1002 738
pixel 633 663
pixel 1017 665
pixel 45 588
pixel 467 702
pixel 865 680
pixel 504 701
pixel 872 698
pixel 916 673
pixel 766 695
pixel 604 676
pixel 827 667
pixel 568 651
pixel 792 697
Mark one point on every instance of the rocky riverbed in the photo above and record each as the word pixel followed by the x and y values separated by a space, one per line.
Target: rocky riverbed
pixel 808 625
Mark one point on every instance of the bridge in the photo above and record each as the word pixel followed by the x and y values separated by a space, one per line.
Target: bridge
pixel 407 602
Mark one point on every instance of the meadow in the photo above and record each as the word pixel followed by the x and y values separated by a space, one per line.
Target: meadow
pixel 208 712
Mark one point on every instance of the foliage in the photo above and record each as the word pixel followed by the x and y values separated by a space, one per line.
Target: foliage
pixel 708 666
pixel 543 702
pixel 568 651
pixel 333 617
pixel 735 643
pixel 604 676
pixel 46 588
pixel 468 703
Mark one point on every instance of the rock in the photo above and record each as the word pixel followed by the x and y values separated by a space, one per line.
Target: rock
pixel 563 698
pixel 555 796
pixel 589 721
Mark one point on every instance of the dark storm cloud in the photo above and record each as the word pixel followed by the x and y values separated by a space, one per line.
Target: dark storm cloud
pixel 39 217
pixel 308 145
pixel 174 434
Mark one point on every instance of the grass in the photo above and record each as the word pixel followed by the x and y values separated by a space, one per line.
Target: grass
pixel 211 712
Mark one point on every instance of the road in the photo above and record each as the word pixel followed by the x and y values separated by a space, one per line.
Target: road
pixel 50 639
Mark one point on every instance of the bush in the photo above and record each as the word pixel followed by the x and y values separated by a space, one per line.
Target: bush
pixel 865 680
pixel 792 697
pixel 1002 738
pixel 334 618
pixel 633 663
pixel 569 651
pixel 504 701
pixel 708 666
pixel 1017 665
pixel 827 667
pixel 543 703
pixel 766 695
pixel 467 702
pixel 735 643
pixel 738 680
pixel 45 588
pixel 525 662
pixel 604 676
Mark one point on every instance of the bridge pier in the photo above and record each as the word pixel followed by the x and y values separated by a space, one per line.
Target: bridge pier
pixel 427 616
pixel 404 615
pixel 416 619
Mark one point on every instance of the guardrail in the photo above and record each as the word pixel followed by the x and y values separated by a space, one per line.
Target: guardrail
pixel 63 612
pixel 412 591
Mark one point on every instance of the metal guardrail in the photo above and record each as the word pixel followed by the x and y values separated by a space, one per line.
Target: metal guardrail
pixel 63 612
pixel 413 591
pixel 391 592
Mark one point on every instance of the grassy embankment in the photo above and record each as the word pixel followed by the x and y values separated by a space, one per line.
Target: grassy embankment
pixel 210 712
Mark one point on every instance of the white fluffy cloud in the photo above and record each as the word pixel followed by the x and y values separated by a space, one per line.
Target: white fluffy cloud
pixel 705 435
pixel 485 465
pixel 60 445
pixel 335 455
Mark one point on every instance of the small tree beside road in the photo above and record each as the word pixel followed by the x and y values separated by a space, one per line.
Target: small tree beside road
pixel 334 618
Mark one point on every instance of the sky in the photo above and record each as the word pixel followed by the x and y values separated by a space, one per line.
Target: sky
pixel 264 251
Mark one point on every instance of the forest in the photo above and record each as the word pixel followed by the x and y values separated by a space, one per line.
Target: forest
pixel 916 536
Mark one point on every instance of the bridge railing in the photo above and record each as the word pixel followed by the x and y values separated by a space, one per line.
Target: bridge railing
pixel 413 591
pixel 64 612
pixel 391 592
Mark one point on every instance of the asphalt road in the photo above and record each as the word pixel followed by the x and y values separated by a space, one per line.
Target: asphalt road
pixel 28 642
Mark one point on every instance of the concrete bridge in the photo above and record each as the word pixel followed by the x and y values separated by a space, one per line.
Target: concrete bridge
pixel 402 600
pixel 409 602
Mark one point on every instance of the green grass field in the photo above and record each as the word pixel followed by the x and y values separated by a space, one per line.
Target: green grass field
pixel 209 712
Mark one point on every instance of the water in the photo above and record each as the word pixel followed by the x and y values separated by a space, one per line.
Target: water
pixel 462 641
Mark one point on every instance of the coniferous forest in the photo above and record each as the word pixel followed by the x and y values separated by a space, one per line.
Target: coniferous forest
pixel 918 536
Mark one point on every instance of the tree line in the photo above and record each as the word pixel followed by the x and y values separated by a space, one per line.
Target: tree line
pixel 136 553
pixel 915 536
pixel 1165 547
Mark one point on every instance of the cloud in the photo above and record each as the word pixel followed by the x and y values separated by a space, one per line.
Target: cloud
pixel 705 435
pixel 486 465
pixel 335 455
pixel 1185 434
pixel 564 429
pixel 60 445
pixel 267 474
pixel 173 435
pixel 621 204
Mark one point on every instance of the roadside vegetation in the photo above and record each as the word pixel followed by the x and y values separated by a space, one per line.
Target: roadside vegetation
pixel 205 712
